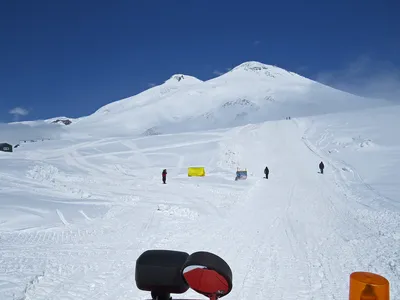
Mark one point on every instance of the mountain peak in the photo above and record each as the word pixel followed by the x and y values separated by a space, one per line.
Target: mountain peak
pixel 182 79
pixel 252 92
pixel 178 77
pixel 252 66
pixel 261 70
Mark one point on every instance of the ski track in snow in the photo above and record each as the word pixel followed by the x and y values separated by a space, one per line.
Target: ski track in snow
pixel 297 235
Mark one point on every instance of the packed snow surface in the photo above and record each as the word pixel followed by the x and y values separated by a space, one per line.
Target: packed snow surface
pixel 76 215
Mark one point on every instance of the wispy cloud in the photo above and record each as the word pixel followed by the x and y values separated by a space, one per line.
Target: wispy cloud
pixel 217 72
pixel 18 111
pixel 151 84
pixel 256 43
pixel 365 77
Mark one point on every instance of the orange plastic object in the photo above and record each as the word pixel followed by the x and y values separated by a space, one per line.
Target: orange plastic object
pixel 368 286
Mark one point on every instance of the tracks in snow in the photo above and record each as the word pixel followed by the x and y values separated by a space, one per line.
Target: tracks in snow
pixel 296 235
pixel 93 260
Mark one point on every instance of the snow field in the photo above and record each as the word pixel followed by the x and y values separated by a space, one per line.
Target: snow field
pixel 121 206
pixel 77 214
pixel 365 145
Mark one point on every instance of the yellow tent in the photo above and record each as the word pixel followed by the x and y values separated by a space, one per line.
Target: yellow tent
pixel 196 171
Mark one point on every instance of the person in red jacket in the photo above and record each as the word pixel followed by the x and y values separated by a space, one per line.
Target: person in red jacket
pixel 164 176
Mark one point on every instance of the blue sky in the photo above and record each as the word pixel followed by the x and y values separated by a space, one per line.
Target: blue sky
pixel 68 58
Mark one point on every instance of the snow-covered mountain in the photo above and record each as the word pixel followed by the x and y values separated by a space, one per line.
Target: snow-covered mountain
pixel 251 92
pixel 76 211
pixel 18 132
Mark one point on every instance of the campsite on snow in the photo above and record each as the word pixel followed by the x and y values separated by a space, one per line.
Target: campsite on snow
pixel 83 198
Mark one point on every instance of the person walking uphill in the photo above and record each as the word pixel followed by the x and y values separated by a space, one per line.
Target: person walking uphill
pixel 266 172
pixel 321 167
pixel 164 176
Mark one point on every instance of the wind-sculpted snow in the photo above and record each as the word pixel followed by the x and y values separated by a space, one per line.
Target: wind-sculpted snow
pixel 75 214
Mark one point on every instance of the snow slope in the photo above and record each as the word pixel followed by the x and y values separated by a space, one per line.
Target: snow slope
pixel 76 213
pixel 14 133
pixel 252 92
pixel 365 144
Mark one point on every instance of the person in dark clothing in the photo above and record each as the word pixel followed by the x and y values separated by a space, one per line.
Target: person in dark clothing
pixel 266 172
pixel 164 176
pixel 321 167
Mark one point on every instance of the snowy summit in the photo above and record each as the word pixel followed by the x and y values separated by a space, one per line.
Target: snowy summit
pixel 251 92
pixel 182 79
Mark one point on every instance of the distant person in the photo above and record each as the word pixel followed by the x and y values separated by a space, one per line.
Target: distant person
pixel 321 167
pixel 266 172
pixel 164 176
